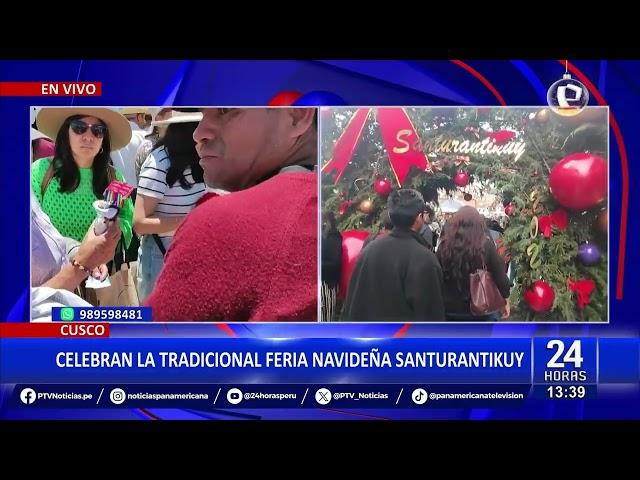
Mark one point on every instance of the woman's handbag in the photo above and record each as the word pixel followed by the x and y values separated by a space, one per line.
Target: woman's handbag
pixel 485 296
pixel 123 291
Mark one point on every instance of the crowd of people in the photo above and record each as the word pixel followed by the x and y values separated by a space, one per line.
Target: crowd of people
pixel 413 270
pixel 221 223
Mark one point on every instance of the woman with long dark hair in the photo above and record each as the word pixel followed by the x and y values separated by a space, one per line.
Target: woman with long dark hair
pixel 169 185
pixel 464 248
pixel 67 184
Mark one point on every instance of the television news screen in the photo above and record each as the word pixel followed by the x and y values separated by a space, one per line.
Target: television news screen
pixel 319 240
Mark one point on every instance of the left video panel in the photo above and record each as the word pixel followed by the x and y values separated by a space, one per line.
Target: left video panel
pixel 193 214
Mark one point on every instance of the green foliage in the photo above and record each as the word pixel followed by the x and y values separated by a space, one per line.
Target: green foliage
pixel 546 144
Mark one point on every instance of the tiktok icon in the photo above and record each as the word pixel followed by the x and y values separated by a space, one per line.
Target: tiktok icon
pixel 419 396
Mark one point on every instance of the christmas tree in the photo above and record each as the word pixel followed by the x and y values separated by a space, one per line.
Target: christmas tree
pixel 548 173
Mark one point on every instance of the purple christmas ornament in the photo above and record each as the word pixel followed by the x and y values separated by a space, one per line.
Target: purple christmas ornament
pixel 588 254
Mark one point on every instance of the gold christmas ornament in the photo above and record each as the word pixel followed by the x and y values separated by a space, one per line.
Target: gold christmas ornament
pixel 366 206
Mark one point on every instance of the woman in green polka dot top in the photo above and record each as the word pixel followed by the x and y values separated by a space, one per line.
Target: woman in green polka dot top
pixel 81 168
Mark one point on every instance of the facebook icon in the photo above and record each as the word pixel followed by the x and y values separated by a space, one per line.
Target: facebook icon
pixel 28 396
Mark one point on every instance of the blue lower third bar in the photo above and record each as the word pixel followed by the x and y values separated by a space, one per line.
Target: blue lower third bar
pixel 101 314
pixel 244 360
pixel 206 397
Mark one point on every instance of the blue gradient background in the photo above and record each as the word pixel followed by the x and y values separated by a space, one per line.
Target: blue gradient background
pixel 441 82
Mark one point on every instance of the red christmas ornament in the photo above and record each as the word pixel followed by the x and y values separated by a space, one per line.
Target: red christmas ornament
pixel 284 99
pixel 579 181
pixel 509 208
pixel 382 187
pixel 583 289
pixel 461 179
pixel 540 296
pixel 344 205
pixel 352 241
pixel 502 136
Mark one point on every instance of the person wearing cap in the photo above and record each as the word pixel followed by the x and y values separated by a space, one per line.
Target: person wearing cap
pixel 150 140
pixel 41 145
pixel 124 159
pixel 251 255
pixel 67 185
pixel 169 186
pixel 397 278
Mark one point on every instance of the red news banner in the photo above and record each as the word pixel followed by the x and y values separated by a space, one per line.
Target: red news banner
pixel 54 330
pixel 50 89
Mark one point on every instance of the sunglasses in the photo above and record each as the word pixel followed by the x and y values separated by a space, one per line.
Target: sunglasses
pixel 79 127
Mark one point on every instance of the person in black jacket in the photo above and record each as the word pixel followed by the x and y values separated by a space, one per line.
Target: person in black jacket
pixel 331 260
pixel 465 247
pixel 397 279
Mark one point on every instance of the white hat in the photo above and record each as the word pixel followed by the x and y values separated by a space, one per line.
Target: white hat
pixel 134 110
pixel 36 134
pixel 50 119
pixel 179 117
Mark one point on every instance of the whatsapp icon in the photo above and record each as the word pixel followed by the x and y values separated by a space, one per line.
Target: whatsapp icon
pixel 66 314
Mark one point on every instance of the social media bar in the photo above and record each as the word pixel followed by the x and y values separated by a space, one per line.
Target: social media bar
pixel 203 396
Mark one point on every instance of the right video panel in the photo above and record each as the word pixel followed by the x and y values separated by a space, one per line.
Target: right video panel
pixel 464 214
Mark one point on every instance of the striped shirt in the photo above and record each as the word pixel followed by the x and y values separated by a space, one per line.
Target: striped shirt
pixel 174 200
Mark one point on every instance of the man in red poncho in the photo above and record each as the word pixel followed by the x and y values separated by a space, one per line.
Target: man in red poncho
pixel 250 255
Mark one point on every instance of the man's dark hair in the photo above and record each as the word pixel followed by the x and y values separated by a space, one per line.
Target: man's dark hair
pixel 386 220
pixel 404 206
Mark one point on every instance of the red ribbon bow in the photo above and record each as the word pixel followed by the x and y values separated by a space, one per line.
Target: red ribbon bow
pixel 558 218
pixel 583 288
pixel 462 160
pixel 398 136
